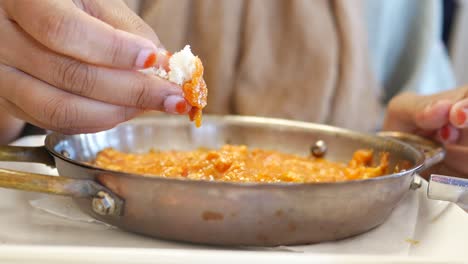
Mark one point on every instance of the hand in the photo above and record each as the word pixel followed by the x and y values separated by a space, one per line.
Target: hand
pixel 70 66
pixel 442 117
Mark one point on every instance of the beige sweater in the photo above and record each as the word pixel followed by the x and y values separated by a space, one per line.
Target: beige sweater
pixel 296 59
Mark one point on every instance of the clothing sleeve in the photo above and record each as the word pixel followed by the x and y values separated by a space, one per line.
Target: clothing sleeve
pixel 406 47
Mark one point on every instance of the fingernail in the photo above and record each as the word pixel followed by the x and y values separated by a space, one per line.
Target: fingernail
pixel 145 59
pixel 448 134
pixel 444 133
pixel 461 116
pixel 175 104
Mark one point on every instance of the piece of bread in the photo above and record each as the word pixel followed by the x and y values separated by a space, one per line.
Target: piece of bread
pixel 186 70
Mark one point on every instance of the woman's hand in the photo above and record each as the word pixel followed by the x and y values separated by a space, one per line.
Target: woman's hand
pixel 70 66
pixel 442 117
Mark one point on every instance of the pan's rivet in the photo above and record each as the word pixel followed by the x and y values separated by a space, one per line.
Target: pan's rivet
pixel 318 149
pixel 65 153
pixel 103 204
pixel 416 183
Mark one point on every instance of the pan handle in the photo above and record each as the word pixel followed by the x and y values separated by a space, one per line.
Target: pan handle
pixel 433 151
pixel 104 202
pixel 26 154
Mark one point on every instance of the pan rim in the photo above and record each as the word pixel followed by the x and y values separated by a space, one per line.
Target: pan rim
pixel 248 119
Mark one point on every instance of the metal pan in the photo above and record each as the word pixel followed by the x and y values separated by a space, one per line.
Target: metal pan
pixel 222 213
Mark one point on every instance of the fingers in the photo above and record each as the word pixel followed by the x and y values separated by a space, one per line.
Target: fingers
pixel 57 110
pixel 19 113
pixel 120 87
pixel 423 115
pixel 411 112
pixel 459 114
pixel 64 28
pixel 123 18
pixel 448 134
pixel 434 115
pixel 10 126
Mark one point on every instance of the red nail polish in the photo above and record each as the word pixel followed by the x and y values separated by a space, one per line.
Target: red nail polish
pixel 445 132
pixel 461 117
pixel 150 60
pixel 181 107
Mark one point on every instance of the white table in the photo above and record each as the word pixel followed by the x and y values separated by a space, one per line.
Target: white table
pixel 29 235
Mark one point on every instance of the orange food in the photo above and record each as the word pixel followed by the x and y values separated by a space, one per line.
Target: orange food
pixel 196 93
pixel 235 163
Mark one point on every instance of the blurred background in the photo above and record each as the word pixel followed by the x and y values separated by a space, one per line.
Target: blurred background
pixel 455 36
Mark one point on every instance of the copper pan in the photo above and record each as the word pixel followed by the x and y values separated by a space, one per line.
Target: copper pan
pixel 222 213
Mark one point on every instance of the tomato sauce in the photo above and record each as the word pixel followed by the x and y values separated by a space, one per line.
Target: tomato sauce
pixel 237 163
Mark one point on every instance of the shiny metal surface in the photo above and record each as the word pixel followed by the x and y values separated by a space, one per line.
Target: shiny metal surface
pixel 222 213
pixel 433 152
pixel 26 154
pixel 57 185
pixel 416 183
pixel 104 204
pixel 167 133
pixel 319 149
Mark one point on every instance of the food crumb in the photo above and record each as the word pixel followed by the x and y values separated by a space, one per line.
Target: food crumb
pixel 209 216
pixel 412 241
